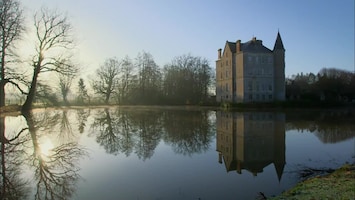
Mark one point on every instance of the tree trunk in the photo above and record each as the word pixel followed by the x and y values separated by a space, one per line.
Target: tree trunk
pixel 65 99
pixel 2 92
pixel 32 93
pixel 2 79
pixel 107 98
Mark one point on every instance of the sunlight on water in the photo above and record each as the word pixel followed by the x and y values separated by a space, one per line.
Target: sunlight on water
pixel 46 146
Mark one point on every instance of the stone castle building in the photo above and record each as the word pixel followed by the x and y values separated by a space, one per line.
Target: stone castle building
pixel 250 72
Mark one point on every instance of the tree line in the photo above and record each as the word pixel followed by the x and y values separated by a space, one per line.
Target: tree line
pixel 187 79
pixel 329 84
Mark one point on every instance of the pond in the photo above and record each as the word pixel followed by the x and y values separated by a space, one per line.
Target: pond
pixel 167 152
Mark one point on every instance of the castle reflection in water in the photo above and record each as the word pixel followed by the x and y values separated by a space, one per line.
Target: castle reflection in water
pixel 251 141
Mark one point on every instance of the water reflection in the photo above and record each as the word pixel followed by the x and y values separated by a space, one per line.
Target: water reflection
pixel 329 127
pixel 251 141
pixel 82 116
pixel 40 151
pixel 188 132
pixel 47 146
pixel 140 131
pixel 12 185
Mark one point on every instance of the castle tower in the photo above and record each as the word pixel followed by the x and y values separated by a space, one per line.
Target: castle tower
pixel 279 69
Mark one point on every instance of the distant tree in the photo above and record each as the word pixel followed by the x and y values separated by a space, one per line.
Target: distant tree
pixel 53 35
pixel 336 83
pixel 125 79
pixel 11 28
pixel 82 92
pixel 149 79
pixel 329 84
pixel 64 82
pixel 187 79
pixel 106 83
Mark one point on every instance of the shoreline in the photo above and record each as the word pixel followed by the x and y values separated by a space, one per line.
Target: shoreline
pixel 339 184
pixel 16 109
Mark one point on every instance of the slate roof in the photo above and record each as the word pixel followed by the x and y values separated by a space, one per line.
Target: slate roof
pixel 252 46
pixel 255 46
pixel 232 46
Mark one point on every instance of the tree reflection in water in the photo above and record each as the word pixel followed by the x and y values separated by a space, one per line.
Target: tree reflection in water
pixel 188 132
pixel 329 127
pixel 54 163
pixel 125 132
pixel 82 116
pixel 12 185
pixel 140 131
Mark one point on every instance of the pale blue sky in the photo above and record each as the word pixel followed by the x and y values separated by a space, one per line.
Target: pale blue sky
pixel 315 33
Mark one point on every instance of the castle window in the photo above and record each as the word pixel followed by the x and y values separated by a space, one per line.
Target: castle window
pixel 263 60
pixel 250 86
pixel 269 60
pixel 250 97
pixel 270 96
pixel 270 87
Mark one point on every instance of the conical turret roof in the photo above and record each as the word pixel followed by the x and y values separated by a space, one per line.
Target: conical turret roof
pixel 278 43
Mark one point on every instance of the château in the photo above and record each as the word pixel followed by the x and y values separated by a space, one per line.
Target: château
pixel 250 72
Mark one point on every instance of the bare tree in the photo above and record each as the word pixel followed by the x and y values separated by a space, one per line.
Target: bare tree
pixel 11 28
pixel 65 81
pixel 126 79
pixel 187 79
pixel 106 82
pixel 53 35
pixel 149 79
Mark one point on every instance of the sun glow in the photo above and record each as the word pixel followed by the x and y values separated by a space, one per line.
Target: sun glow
pixel 46 146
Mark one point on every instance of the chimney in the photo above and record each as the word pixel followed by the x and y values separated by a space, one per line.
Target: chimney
pixel 238 46
pixel 219 53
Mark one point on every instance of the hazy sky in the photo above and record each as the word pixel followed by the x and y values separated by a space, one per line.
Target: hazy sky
pixel 316 33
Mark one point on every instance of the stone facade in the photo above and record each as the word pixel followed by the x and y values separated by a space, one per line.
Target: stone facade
pixel 250 72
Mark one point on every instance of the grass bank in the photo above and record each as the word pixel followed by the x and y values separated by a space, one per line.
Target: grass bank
pixel 338 185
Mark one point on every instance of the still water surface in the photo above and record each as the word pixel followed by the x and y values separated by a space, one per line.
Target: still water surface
pixel 166 153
